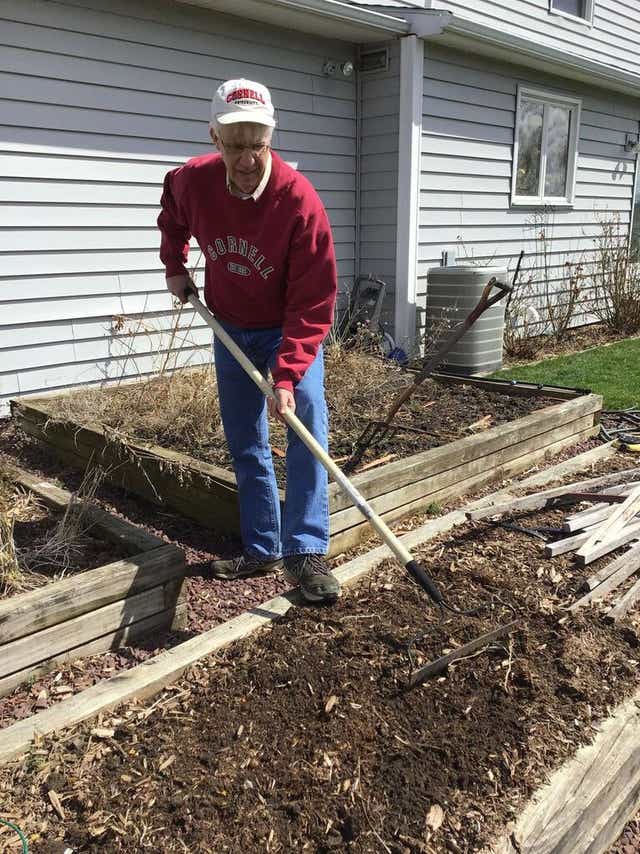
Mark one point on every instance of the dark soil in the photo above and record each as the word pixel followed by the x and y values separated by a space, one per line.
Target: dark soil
pixel 306 737
pixel 210 601
pixel 629 841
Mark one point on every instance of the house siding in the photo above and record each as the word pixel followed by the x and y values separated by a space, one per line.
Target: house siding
pixel 467 148
pixel 380 105
pixel 98 101
pixel 612 40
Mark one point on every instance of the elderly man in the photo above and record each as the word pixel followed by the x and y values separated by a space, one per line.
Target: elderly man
pixel 271 282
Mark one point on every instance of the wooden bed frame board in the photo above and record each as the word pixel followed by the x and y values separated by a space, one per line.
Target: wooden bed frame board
pixel 395 489
pixel 92 611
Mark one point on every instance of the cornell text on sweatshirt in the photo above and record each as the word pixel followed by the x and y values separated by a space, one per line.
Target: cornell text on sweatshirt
pixel 269 263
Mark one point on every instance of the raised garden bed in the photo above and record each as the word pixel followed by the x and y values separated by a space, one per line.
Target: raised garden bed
pixel 94 610
pixel 207 493
pixel 309 735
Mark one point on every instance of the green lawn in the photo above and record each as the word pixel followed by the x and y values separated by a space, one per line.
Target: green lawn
pixel 612 371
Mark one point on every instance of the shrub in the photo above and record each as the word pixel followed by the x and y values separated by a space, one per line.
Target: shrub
pixel 615 276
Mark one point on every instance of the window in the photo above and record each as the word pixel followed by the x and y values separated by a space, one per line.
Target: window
pixel 582 9
pixel 545 149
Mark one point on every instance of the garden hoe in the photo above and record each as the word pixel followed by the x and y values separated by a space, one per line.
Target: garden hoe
pixel 413 567
pixel 375 431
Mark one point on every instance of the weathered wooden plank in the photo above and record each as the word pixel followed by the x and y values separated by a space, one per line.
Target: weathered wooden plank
pixel 95 436
pixel 111 527
pixel 519 389
pixel 125 459
pixel 624 605
pixel 615 579
pixel 440 480
pixel 352 536
pixel 57 639
pixel 427 463
pixel 213 508
pixel 580 462
pixel 608 531
pixel 587 802
pixel 632 556
pixel 567 544
pixel 582 521
pixel 171 619
pixel 540 499
pixel 63 600
pixel 576 521
pixel 629 533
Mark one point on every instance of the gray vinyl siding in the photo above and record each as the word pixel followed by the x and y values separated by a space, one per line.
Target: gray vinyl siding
pixel 98 101
pixel 467 147
pixel 380 106
pixel 612 40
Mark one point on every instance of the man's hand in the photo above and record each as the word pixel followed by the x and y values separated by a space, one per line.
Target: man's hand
pixel 181 286
pixel 284 401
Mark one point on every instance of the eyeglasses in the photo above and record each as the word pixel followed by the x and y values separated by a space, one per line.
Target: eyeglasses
pixel 257 149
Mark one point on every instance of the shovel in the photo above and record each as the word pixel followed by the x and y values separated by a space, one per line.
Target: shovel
pixel 413 567
pixel 375 431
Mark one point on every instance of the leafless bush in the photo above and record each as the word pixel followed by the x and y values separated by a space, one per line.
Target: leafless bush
pixel 556 288
pixel 61 548
pixel 615 276
pixel 523 325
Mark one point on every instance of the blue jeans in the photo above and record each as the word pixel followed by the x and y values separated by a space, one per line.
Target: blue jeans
pixel 304 527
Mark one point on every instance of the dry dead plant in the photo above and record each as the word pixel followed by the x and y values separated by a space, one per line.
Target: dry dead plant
pixel 64 544
pixel 15 505
pixel 180 410
pixel 615 276
pixel 10 574
pixel 557 284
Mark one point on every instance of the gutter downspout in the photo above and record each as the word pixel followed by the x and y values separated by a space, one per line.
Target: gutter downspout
pixel 635 198
pixel 408 210
pixel 358 176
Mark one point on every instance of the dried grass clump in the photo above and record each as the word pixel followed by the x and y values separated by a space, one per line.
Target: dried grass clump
pixel 177 408
pixel 181 409
pixel 13 505
pixel 62 547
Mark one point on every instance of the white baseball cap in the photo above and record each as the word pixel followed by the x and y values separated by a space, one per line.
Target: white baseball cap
pixel 242 101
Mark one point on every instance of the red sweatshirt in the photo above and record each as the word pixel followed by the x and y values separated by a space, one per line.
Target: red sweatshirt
pixel 269 262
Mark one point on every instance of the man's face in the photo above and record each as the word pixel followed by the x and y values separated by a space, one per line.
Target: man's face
pixel 245 150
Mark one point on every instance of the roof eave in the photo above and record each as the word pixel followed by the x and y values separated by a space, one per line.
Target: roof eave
pixel 326 18
pixel 464 34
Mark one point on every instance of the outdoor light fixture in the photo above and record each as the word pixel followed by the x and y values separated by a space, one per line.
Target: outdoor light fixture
pixel 347 68
pixel 332 68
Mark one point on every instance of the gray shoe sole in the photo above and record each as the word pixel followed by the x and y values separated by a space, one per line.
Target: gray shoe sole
pixel 226 575
pixel 310 596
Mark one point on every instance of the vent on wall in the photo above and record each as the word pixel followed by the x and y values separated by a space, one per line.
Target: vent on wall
pixel 370 61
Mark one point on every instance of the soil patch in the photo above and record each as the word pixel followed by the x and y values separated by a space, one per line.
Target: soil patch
pixel 629 841
pixel 210 602
pixel 306 737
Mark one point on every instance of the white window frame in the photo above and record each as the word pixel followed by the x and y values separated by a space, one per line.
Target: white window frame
pixel 588 18
pixel 549 99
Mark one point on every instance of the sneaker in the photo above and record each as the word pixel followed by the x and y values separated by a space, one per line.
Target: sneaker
pixel 242 567
pixel 311 573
